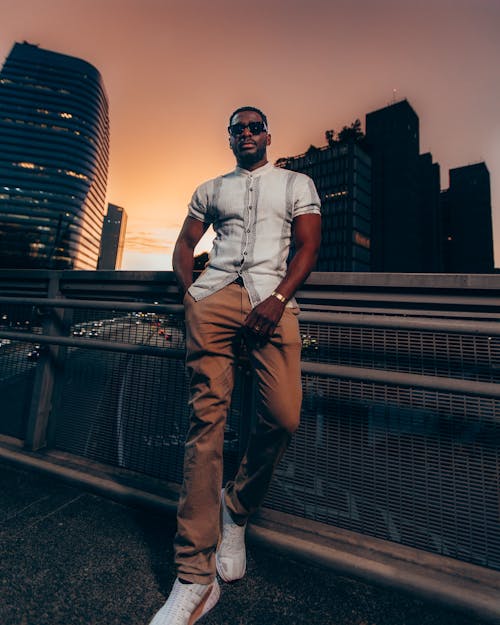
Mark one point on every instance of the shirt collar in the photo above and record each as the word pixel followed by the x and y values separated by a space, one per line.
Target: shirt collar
pixel 256 172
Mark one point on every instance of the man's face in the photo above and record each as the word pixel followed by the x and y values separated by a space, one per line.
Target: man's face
pixel 249 149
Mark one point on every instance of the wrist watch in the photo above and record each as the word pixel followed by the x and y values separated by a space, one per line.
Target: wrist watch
pixel 281 298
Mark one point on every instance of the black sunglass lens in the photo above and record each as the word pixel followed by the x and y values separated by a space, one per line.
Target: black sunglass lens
pixel 236 129
pixel 255 128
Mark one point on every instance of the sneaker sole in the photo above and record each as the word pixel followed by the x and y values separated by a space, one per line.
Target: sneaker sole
pixel 207 603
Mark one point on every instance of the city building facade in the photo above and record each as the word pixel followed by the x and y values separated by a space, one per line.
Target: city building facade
pixel 54 151
pixel 431 229
pixel 382 205
pixel 113 238
pixel 405 197
pixel 466 207
pixel 341 172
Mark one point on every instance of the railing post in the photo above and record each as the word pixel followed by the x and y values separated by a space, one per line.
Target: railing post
pixel 55 323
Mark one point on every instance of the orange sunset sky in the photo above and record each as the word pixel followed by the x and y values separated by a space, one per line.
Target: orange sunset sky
pixel 175 69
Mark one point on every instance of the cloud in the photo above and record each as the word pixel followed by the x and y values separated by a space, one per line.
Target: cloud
pixel 160 240
pixel 148 250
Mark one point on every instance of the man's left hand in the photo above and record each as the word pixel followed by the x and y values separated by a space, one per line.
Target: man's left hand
pixel 264 318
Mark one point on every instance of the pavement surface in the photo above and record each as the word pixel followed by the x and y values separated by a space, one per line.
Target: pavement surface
pixel 69 557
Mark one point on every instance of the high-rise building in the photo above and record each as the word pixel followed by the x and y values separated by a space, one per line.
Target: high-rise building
pixel 342 174
pixel 467 220
pixel 113 238
pixel 392 134
pixel 54 146
pixel 430 221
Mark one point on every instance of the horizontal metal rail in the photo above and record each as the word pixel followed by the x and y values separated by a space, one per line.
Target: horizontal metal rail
pixel 394 322
pixel 392 378
pixel 456 300
pixel 97 304
pixel 397 378
pixel 389 280
pixel 109 346
pixel 443 313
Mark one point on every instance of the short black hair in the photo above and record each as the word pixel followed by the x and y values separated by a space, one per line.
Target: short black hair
pixel 249 108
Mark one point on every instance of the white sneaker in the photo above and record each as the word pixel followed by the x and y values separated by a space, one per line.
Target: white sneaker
pixel 231 557
pixel 187 603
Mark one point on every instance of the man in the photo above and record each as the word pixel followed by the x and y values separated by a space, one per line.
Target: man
pixel 245 293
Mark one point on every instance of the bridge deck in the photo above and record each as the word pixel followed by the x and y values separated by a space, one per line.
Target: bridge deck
pixel 69 557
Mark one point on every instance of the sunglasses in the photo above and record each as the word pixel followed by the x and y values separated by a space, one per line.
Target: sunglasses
pixel 254 127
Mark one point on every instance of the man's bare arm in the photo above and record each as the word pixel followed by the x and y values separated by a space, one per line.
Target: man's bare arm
pixel 307 239
pixel 183 258
pixel 264 318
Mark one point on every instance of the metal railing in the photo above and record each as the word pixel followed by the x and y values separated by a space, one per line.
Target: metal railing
pixel 400 431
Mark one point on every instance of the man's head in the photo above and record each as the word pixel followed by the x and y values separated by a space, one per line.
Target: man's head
pixel 249 137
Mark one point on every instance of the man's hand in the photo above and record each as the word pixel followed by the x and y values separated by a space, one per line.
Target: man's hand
pixel 264 318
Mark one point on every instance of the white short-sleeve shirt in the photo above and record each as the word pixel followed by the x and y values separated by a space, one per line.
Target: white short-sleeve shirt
pixel 251 213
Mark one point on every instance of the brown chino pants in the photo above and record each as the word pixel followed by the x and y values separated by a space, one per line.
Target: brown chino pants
pixel 214 332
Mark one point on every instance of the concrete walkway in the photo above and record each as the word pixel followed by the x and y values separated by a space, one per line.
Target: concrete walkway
pixel 68 557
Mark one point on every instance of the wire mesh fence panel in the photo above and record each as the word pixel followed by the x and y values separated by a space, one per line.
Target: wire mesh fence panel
pixel 18 361
pixel 131 411
pixel 419 468
pixel 427 353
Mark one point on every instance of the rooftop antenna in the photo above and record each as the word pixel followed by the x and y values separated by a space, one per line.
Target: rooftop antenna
pixel 394 96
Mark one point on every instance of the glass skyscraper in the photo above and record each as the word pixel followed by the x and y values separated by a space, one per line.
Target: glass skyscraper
pixel 113 238
pixel 342 175
pixel 54 150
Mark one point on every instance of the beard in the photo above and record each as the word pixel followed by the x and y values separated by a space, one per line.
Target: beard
pixel 246 159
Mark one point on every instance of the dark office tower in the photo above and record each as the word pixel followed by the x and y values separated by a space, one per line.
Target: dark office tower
pixel 342 174
pixel 113 238
pixel 430 221
pixel 468 224
pixel 54 143
pixel 392 134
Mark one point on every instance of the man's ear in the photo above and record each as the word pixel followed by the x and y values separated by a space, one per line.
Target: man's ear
pixel 268 139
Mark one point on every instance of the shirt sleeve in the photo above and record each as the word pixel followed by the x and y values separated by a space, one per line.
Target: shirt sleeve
pixel 199 206
pixel 306 198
